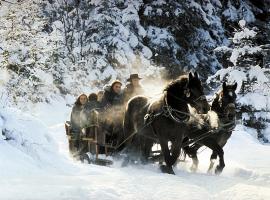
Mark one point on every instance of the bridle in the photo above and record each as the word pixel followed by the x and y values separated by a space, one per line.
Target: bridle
pixel 169 112
pixel 200 98
pixel 222 107
pixel 227 124
pixel 230 105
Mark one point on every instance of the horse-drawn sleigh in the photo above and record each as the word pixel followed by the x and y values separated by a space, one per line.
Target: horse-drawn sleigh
pixel 98 139
pixel 168 120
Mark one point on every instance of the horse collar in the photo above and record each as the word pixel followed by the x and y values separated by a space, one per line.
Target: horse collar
pixel 178 117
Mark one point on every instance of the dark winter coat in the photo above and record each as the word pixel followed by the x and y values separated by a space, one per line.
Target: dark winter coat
pixel 75 119
pixel 90 105
pixel 85 113
pixel 131 91
pixel 110 98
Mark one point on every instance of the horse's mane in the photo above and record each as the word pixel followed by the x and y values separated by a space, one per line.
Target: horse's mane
pixel 180 82
pixel 218 95
pixel 215 104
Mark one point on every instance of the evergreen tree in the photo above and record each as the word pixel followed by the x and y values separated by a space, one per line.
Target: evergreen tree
pixel 248 68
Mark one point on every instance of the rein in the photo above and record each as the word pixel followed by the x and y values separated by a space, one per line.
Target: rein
pixel 137 132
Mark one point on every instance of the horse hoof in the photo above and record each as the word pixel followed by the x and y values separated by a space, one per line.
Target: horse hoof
pixel 144 161
pixel 210 171
pixel 193 168
pixel 125 162
pixel 166 169
pixel 218 170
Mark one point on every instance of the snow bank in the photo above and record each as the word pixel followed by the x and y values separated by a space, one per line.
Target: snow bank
pixel 26 145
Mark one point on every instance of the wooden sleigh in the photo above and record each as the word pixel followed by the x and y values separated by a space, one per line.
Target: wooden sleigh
pixel 94 139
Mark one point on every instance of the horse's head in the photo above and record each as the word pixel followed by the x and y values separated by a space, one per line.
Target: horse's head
pixel 227 100
pixel 177 91
pixel 196 95
pixel 188 90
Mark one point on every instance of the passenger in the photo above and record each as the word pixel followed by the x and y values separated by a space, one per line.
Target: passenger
pixel 75 114
pixel 92 102
pixel 133 88
pixel 74 142
pixel 100 95
pixel 112 95
pixel 90 105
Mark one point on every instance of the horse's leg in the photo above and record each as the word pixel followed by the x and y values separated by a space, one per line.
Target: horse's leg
pixel 132 151
pixel 221 140
pixel 212 162
pixel 192 152
pixel 175 151
pixel 195 163
pixel 143 154
pixel 221 164
pixel 146 150
pixel 212 144
pixel 167 157
pixel 173 154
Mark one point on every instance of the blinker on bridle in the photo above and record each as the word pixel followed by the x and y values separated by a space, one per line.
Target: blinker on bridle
pixel 187 92
pixel 227 107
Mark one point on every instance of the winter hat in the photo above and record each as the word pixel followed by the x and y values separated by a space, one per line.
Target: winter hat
pixel 133 76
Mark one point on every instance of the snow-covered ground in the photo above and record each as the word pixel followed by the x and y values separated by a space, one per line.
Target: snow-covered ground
pixel 37 166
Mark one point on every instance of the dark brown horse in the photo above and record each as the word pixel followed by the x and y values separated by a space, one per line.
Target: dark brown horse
pixel 224 106
pixel 164 120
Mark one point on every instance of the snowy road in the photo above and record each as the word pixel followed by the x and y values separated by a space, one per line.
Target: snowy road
pixel 246 176
pixel 93 182
pixel 129 183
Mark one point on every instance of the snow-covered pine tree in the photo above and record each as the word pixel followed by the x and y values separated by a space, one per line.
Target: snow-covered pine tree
pixel 248 68
pixel 65 47
pixel 102 39
pixel 25 53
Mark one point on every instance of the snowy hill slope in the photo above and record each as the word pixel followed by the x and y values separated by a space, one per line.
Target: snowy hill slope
pixel 26 145
pixel 44 171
